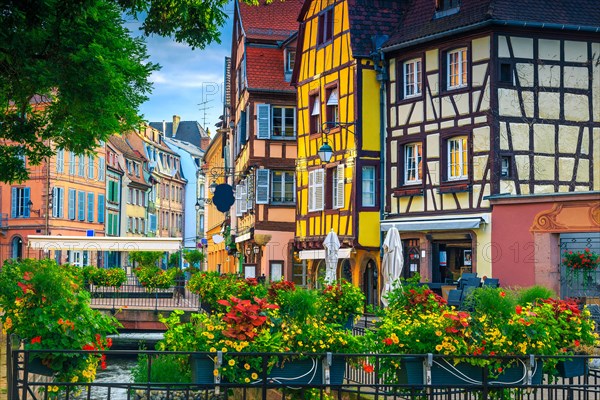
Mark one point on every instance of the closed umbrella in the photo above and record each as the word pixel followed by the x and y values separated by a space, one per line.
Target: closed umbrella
pixel 393 262
pixel 332 245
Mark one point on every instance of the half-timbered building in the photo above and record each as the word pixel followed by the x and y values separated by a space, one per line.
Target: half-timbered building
pixel 263 141
pixel 337 75
pixel 493 105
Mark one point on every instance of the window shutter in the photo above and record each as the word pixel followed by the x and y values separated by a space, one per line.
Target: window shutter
pixel 90 211
pixel 251 192
pixel 339 201
pixel 55 200
pixel 319 189
pixel 238 200
pixel 81 206
pixel 71 203
pixel 26 202
pixel 109 224
pixel 311 190
pixel 242 132
pixel 333 98
pixel 101 208
pixel 101 167
pixel 72 163
pixel 244 197
pixel 15 204
pixel 152 223
pixel 264 121
pixel 262 186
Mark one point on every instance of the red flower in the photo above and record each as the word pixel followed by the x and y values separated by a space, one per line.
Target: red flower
pixel 388 341
pixel 502 294
pixel 576 343
pixel 368 368
pixel 37 339
pixel 103 365
pixel 500 369
pixel 27 276
pixel 519 309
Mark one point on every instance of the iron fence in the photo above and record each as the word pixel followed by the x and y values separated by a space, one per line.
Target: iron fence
pixel 362 376
pixel 133 295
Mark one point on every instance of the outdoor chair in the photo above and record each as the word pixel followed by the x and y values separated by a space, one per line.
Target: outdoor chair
pixel 491 282
pixel 465 277
pixel 474 282
pixel 454 297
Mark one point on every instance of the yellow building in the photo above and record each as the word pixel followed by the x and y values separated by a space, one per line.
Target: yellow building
pixel 339 105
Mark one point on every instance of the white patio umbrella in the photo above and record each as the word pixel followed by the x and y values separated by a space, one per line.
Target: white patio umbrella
pixel 393 262
pixel 332 245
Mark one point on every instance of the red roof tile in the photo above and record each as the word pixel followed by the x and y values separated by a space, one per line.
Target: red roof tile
pixel 274 21
pixel 265 69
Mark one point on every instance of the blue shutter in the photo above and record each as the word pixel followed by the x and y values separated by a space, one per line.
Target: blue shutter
pixel 26 202
pixel 242 131
pixel 81 206
pixel 263 119
pixel 101 208
pixel 13 208
pixel 152 223
pixel 90 211
pixel 71 203
pixel 263 178
pixel 61 205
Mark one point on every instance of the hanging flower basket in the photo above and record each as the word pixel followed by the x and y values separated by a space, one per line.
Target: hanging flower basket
pixel 581 267
pixel 572 367
pixel 308 371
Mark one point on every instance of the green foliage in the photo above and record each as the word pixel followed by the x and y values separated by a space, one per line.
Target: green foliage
pixel 341 301
pixel 194 257
pixel 43 303
pixel 165 368
pixel 298 305
pixel 114 277
pixel 174 260
pixel 155 278
pixel 532 294
pixel 145 258
pixel 491 301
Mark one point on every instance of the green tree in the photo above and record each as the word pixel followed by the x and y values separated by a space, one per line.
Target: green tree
pixel 71 74
pixel 194 257
pixel 145 258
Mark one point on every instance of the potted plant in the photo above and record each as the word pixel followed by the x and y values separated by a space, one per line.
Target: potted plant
pixel 44 304
pixel 341 303
pixel 581 266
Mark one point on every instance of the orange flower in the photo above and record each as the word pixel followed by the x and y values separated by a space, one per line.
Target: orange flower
pixel 368 368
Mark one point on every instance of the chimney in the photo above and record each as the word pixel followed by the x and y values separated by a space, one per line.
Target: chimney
pixel 176 120
pixel 164 131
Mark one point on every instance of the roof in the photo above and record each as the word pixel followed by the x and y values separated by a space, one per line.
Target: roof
pixel 119 144
pixel 122 144
pixel 188 147
pixel 274 21
pixel 187 131
pixel 370 19
pixel 418 20
pixel 265 69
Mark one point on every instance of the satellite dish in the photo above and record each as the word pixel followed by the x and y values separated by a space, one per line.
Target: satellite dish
pixel 217 239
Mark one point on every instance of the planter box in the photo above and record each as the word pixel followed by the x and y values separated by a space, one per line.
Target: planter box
pixel 132 295
pixel 572 367
pixel 308 371
pixel 202 369
pixel 448 374
pixel 35 366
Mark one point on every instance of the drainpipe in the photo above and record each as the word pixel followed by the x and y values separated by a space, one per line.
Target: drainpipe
pixel 380 66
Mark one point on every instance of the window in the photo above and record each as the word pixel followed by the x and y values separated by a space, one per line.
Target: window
pixel 290 56
pixel 457 158
pixel 81 164
pixel 129 224
pixel 284 122
pixel 368 186
pixel 333 117
pixel 325 33
pixel 283 187
pixel 113 191
pixel 506 167
pixel 241 76
pixel 72 203
pixel 71 163
pixel 100 208
pixel 316 190
pixel 300 273
pixel 131 199
pixel 91 167
pixel 315 114
pixel 81 206
pixel 152 219
pixel 60 161
pixel 446 7
pixel 20 202
pixel 101 166
pixel 58 198
pixel 412 78
pixel 337 184
pixel 90 205
pixel 457 68
pixel 136 168
pixel 506 73
pixel 413 163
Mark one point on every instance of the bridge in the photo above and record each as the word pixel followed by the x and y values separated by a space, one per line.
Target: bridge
pixel 138 308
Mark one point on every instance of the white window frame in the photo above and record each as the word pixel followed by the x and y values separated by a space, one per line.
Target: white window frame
pixel 316 190
pixel 373 191
pixel 460 143
pixel 413 163
pixel 412 78
pixel 289 60
pixel 461 72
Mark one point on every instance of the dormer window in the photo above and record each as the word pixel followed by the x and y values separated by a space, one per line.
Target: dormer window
pixel 290 56
pixel 446 7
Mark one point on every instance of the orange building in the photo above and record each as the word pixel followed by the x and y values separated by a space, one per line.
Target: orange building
pixel 64 196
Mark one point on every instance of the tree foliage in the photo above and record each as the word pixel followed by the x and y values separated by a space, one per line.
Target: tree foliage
pixel 71 74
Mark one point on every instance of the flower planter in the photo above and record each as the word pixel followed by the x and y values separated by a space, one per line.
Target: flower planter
pixel 202 369
pixel 308 371
pixel 35 366
pixel 447 374
pixel 572 367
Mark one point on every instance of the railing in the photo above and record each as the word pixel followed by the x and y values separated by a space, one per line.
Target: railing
pixel 355 381
pixel 133 295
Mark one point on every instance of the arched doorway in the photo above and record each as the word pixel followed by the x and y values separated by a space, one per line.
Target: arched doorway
pixel 16 248
pixel 370 283
pixel 319 274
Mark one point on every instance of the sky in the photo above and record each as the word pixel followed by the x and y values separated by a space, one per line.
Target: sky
pixel 187 78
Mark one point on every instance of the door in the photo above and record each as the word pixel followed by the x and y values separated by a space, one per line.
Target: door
pixel 370 284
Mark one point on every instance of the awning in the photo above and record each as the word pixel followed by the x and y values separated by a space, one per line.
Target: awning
pixel 320 254
pixel 437 224
pixel 244 237
pixel 102 243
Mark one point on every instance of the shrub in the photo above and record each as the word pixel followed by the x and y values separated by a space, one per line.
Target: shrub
pixel 165 368
pixel 298 305
pixel 532 294
pixel 491 301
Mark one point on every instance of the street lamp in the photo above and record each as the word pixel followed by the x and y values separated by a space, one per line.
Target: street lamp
pixel 201 201
pixel 213 187
pixel 325 152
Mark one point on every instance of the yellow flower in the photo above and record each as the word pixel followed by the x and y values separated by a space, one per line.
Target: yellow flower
pixel 231 363
pixel 247 366
pixel 247 380
pixel 213 350
pixel 224 349
pixel 216 372
pixel 438 333
pixel 254 375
